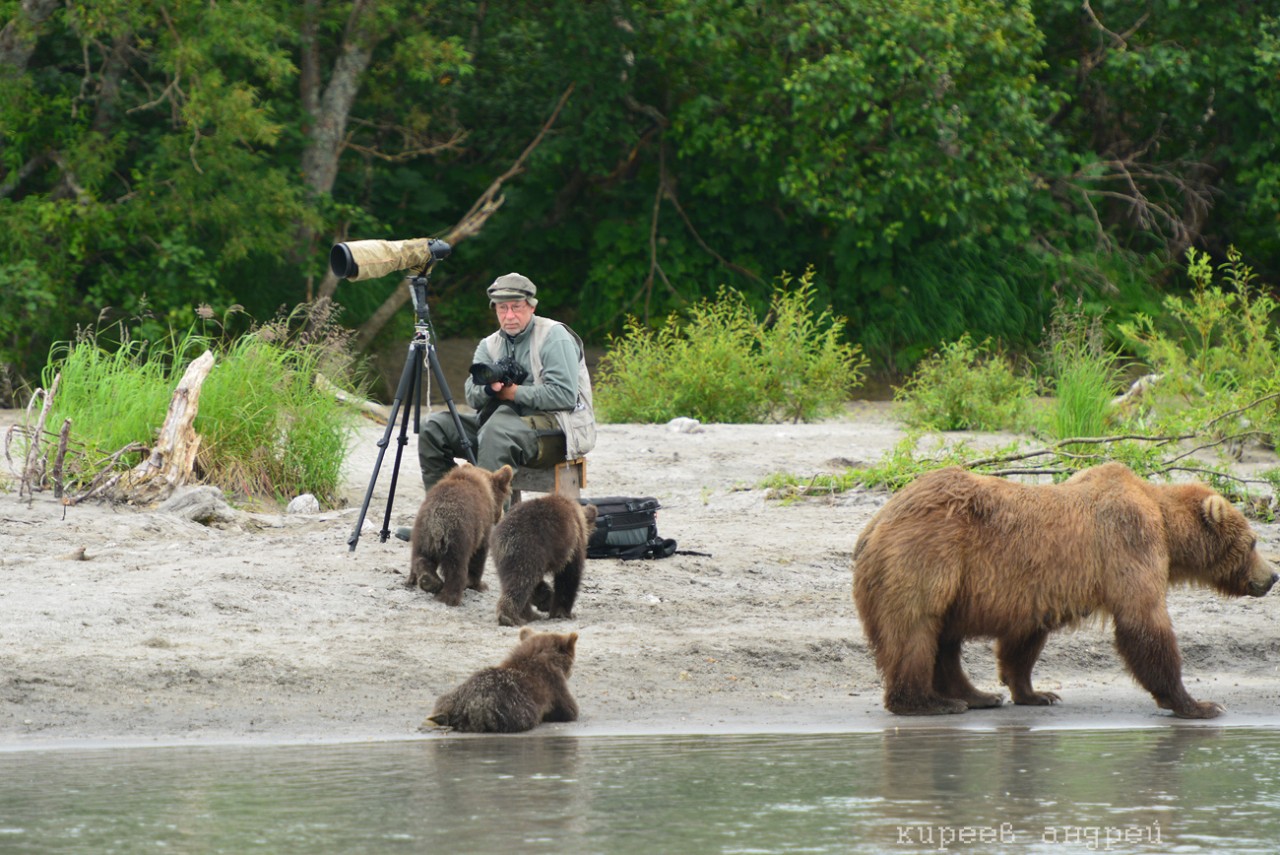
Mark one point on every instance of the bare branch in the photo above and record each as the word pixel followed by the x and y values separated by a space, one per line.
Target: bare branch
pixel 470 225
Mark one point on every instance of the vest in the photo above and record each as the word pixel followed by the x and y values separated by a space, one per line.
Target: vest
pixel 578 424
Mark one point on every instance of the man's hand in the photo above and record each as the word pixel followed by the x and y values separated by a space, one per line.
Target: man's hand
pixel 504 393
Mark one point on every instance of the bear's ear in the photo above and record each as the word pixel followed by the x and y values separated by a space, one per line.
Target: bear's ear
pixel 525 632
pixel 1215 508
pixel 502 478
pixel 571 643
pixel 590 512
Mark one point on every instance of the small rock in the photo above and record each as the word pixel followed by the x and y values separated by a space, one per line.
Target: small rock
pixel 304 504
pixel 683 424
pixel 202 504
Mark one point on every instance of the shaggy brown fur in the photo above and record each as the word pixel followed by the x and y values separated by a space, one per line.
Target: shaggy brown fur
pixel 451 531
pixel 543 537
pixel 530 686
pixel 957 555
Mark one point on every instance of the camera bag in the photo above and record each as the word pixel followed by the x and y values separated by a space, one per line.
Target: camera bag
pixel 627 528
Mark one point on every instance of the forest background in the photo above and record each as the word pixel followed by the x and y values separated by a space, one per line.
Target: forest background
pixel 943 166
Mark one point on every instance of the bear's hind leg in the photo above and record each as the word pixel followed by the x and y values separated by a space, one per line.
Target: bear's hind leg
pixel 422 573
pixel 453 568
pixel 510 613
pixel 565 591
pixel 518 584
pixel 1017 656
pixel 950 681
pixel 475 569
pixel 908 676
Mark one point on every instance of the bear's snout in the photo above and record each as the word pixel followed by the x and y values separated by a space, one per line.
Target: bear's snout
pixel 1258 589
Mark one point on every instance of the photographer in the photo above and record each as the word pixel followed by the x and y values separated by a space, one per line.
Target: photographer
pixel 528 381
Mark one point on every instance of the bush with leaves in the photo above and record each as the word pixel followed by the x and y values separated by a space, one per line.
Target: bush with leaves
pixel 966 386
pixel 1216 351
pixel 721 363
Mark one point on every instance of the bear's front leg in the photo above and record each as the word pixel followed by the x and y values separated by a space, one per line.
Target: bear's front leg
pixel 1150 650
pixel 565 590
pixel 1017 656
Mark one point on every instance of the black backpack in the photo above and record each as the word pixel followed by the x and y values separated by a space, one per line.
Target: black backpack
pixel 627 528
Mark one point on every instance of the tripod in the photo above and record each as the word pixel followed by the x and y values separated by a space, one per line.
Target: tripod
pixel 421 349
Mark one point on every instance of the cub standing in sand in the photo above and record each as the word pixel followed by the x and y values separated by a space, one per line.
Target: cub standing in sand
pixel 546 536
pixel 451 531
pixel 529 687
pixel 956 555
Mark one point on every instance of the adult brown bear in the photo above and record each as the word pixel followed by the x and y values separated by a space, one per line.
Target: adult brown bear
pixel 956 555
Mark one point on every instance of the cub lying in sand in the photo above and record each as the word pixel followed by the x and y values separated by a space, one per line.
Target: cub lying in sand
pixel 529 687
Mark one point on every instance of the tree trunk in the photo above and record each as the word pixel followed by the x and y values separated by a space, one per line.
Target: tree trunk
pixel 20 33
pixel 330 110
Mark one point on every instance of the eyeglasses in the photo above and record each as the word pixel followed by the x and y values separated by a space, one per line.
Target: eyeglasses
pixel 511 308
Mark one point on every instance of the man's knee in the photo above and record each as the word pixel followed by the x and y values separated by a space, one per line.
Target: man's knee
pixel 506 438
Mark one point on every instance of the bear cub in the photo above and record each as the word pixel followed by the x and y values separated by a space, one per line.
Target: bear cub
pixel 451 531
pixel 546 536
pixel 529 687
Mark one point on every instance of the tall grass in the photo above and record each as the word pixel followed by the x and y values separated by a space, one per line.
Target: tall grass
pixel 1084 374
pixel 267 431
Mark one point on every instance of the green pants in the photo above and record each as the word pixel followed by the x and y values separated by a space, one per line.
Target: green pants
pixel 505 438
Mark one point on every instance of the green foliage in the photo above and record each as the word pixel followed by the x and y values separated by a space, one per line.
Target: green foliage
pixel 963 386
pixel 1216 351
pixel 922 115
pixel 1083 373
pixel 807 368
pixel 950 166
pixel 267 430
pixel 723 364
pixel 114 396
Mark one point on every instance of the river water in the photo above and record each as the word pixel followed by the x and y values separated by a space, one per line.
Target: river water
pixel 1168 789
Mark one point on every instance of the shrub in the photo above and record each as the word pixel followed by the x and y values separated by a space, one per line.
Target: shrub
pixel 963 386
pixel 1216 352
pixel 720 363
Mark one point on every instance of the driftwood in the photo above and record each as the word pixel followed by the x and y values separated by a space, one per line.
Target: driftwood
pixel 33 468
pixel 172 459
pixel 381 412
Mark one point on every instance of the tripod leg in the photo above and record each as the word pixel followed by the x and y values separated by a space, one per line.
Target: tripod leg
pixel 436 372
pixel 415 385
pixel 407 377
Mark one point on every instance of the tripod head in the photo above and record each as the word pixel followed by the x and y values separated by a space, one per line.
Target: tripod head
pixel 419 283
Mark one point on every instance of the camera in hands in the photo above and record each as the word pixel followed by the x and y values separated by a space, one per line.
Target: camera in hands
pixel 506 371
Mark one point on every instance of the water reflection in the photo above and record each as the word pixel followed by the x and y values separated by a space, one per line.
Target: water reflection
pixel 1190 789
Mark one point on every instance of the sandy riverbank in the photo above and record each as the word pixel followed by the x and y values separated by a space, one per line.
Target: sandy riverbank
pixel 268 628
